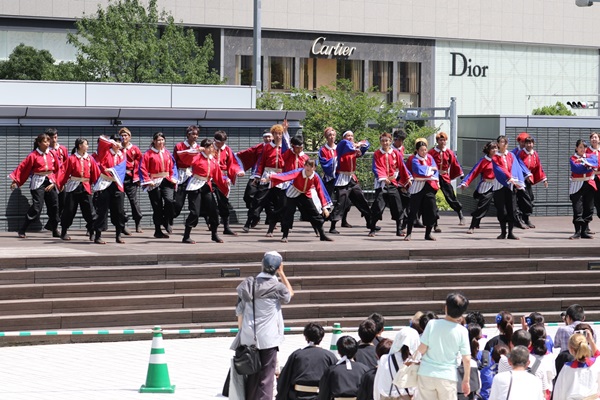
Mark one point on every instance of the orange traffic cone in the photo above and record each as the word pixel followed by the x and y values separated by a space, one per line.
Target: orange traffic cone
pixel 157 379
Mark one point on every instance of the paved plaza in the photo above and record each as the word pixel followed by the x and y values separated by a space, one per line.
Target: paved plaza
pixel 115 371
pixel 198 367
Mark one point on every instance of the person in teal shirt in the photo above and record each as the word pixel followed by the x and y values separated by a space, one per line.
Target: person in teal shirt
pixel 441 344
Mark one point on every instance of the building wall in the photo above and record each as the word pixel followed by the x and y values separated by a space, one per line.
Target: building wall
pixel 557 22
pixel 513 79
pixel 298 45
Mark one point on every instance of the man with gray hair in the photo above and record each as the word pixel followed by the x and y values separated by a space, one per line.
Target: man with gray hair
pixel 518 383
pixel 261 322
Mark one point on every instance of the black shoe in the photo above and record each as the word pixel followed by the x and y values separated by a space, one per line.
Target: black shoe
pixel 55 233
pixel 126 231
pixel 521 225
pixel 334 231
pixel 576 235
pixel 586 235
pixel 437 229
pixel 228 231
pixel 160 235
pixel 345 224
pixel 501 236
pixel 325 238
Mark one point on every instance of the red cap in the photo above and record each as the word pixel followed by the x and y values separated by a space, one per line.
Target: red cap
pixel 522 136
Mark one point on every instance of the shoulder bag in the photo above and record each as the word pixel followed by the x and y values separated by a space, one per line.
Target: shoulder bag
pixel 247 357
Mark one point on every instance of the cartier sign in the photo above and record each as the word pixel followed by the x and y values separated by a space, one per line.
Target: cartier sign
pixel 319 48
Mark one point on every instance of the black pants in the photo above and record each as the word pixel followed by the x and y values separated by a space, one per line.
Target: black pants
pixel 162 202
pixel 504 202
pixel 222 204
pixel 483 205
pixel 348 195
pixel 131 190
pixel 179 199
pixel 78 197
pixel 111 199
pixel 272 200
pixel 597 196
pixel 307 209
pixel 202 201
pixel 583 204
pixel 450 195
pixel 40 196
pixel 424 203
pixel 390 198
pixel 524 202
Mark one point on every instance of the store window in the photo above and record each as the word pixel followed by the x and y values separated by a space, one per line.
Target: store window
pixel 281 73
pixel 381 78
pixel 409 83
pixel 351 70
pixel 243 70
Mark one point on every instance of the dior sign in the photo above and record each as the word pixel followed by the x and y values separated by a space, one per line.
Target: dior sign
pixel 319 48
pixel 461 66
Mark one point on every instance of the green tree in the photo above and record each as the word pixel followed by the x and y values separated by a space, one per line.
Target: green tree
pixel 557 109
pixel 127 43
pixel 341 106
pixel 27 63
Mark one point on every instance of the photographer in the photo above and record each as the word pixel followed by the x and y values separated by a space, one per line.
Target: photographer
pixel 261 323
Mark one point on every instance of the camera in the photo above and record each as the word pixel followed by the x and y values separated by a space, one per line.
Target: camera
pixel 581 332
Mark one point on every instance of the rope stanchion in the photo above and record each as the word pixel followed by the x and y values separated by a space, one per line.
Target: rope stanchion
pixel 290 329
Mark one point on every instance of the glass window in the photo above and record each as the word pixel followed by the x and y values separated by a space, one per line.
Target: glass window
pixel 308 73
pixel 409 83
pixel 381 77
pixel 351 70
pixel 243 70
pixel 281 73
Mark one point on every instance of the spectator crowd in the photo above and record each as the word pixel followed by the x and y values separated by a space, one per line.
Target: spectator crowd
pixel 434 357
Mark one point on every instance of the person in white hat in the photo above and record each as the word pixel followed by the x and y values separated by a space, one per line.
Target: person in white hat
pixel 261 321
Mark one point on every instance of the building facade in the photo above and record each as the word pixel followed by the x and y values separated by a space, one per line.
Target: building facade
pixel 501 58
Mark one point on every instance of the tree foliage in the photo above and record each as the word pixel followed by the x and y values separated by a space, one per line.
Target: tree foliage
pixel 127 43
pixel 27 63
pixel 341 106
pixel 556 109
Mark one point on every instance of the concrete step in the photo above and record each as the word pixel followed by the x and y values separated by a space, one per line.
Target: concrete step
pixel 293 311
pixel 300 268
pixel 560 279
